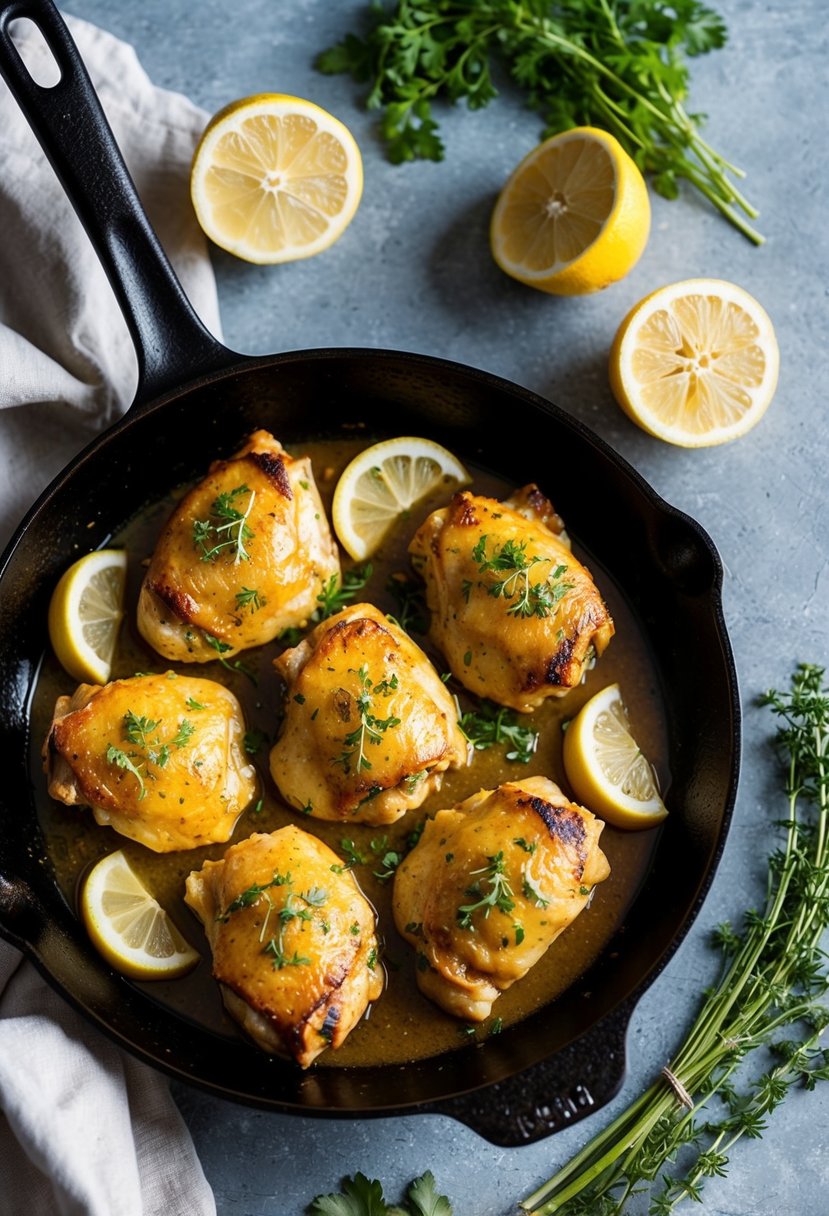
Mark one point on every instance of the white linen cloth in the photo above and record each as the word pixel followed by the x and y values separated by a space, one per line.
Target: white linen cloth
pixel 84 1129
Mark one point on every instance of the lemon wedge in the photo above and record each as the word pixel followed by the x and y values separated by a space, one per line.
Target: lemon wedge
pixel 574 217
pixel 385 481
pixel 129 928
pixel 695 363
pixel 275 178
pixel 606 767
pixel 85 612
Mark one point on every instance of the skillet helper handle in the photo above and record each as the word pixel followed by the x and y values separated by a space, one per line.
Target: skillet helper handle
pixel 172 344
pixel 553 1094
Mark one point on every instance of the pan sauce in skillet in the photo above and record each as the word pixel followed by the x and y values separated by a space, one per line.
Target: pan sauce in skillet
pixel 402 1025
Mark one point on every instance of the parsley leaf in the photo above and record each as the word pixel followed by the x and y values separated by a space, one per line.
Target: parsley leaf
pixel 361 1196
pixel 424 1199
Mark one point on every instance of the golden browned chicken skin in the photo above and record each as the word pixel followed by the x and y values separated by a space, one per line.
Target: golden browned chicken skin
pixel 160 758
pixel 293 941
pixel 516 615
pixel 491 885
pixel 243 556
pixel 369 726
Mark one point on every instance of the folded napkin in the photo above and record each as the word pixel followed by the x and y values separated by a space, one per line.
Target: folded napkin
pixel 65 352
pixel 84 1130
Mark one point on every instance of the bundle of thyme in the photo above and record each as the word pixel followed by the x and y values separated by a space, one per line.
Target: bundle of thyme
pixel 617 64
pixel 765 1010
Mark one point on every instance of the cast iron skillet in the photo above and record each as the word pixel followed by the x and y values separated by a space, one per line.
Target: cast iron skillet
pixel 197 399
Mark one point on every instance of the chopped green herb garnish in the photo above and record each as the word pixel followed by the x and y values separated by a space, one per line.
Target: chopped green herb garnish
pixel 212 537
pixel 408 593
pixel 121 760
pixel 249 597
pixel 193 704
pixel 510 560
pixel 498 896
pixel 253 740
pixel 490 724
pixel 371 728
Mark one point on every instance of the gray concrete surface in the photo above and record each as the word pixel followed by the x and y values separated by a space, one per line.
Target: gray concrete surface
pixel 413 272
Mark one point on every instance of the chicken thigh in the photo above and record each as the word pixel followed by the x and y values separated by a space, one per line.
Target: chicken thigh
pixel 243 556
pixel 516 615
pixel 293 941
pixel 491 885
pixel 158 758
pixel 369 726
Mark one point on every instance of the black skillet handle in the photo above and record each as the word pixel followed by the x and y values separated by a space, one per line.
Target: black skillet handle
pixel 172 344
pixel 553 1094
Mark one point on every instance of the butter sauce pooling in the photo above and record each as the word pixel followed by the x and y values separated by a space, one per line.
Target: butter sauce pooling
pixel 402 1025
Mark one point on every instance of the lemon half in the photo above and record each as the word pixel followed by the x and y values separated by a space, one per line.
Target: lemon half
pixel 574 217
pixel 695 363
pixel 128 927
pixel 605 766
pixel 275 178
pixel 85 612
pixel 385 481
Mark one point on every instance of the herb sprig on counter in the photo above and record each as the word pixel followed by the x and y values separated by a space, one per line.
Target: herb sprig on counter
pixel 617 64
pixel 361 1196
pixel 765 1010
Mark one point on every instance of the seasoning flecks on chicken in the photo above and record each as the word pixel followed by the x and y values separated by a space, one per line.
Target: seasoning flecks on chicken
pixel 160 758
pixel 293 941
pixel 369 726
pixel 516 615
pixel 243 556
pixel 490 885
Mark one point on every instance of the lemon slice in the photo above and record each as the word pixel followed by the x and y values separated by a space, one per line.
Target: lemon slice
pixel 385 481
pixel 275 178
pixel 695 363
pixel 605 766
pixel 85 612
pixel 129 928
pixel 574 217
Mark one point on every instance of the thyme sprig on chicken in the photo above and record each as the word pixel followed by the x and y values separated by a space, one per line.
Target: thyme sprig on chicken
pixel 370 728
pixel 511 561
pixel 765 1007
pixel 499 895
pixel 226 527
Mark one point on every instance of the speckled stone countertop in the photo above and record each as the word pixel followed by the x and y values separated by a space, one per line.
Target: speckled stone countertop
pixel 413 272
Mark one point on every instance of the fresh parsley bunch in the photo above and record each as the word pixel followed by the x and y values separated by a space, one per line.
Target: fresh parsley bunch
pixel 617 64
pixel 363 1196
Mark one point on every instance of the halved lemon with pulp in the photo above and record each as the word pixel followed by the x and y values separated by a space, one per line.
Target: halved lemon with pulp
pixel 605 766
pixel 574 217
pixel 275 178
pixel 130 928
pixel 385 481
pixel 695 363
pixel 85 612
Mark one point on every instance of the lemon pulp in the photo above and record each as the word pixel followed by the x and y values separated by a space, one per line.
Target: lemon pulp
pixel 383 482
pixel 695 363
pixel 275 178
pixel 129 927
